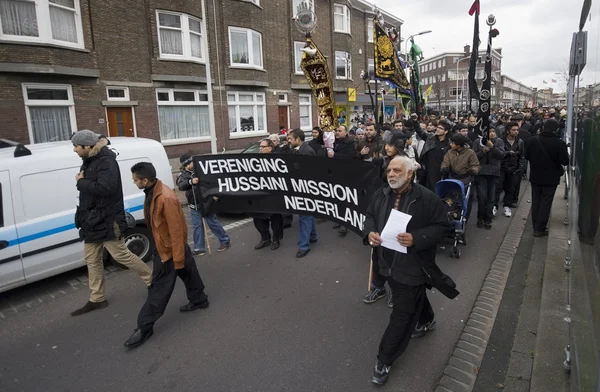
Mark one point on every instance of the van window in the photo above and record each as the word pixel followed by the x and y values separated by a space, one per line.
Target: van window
pixel 129 188
pixel 47 193
pixel 1 208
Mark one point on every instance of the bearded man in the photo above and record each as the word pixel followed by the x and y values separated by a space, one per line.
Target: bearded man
pixel 408 274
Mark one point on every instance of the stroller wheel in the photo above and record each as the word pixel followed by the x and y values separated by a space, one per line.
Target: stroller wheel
pixel 463 238
pixel 455 252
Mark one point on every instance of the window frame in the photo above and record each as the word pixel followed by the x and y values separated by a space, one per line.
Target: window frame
pixel 251 63
pixel 172 102
pixel 346 17
pixel 124 88
pixel 42 13
pixel 305 104
pixel 186 42
pixel 370 31
pixel 256 104
pixel 70 103
pixel 298 61
pixel 348 68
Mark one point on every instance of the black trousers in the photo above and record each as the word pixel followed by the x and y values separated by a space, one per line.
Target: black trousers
pixel 486 195
pixel 262 225
pixel 409 302
pixel 509 183
pixel 541 203
pixel 164 276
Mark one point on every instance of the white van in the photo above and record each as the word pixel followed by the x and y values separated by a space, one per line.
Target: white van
pixel 38 197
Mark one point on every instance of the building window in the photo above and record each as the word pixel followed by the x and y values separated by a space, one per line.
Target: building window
pixel 245 47
pixel 182 114
pixel 117 93
pixel 50 112
pixel 442 93
pixel 443 62
pixel 283 98
pixel 179 36
pixel 341 17
pixel 247 113
pixel 455 91
pixel 296 3
pixel 55 22
pixel 370 30
pixel 305 112
pixel 443 77
pixel 371 67
pixel 434 64
pixel 343 65
pixel 439 63
pixel 298 57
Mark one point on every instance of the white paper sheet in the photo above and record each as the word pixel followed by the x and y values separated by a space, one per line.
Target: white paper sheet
pixel 395 225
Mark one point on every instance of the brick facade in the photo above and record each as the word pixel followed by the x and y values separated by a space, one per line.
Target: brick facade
pixel 121 49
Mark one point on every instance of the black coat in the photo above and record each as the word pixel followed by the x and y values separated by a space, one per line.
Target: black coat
pixel 489 161
pixel 318 147
pixel 100 196
pixel 344 148
pixel 428 226
pixel 192 194
pixel 514 157
pixel 546 153
pixel 304 149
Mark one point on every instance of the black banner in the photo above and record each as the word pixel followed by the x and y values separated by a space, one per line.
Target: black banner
pixel 335 189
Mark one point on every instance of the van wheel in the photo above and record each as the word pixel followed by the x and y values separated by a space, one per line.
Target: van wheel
pixel 139 242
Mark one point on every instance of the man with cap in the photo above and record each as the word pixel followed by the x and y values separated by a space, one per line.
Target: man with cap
pixel 199 209
pixel 100 216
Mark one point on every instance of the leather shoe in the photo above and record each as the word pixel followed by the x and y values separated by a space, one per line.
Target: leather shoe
pixel 190 306
pixel 540 234
pixel 302 253
pixel 275 245
pixel 138 338
pixel 313 241
pixel 262 244
pixel 89 307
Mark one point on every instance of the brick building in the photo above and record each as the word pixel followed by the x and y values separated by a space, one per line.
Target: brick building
pixel 447 74
pixel 515 94
pixel 199 76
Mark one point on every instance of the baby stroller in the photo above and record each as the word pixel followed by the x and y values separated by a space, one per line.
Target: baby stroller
pixel 456 199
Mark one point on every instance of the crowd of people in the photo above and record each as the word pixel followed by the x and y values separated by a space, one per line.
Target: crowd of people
pixel 411 157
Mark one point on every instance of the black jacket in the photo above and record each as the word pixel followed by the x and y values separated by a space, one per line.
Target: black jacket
pixel 344 148
pixel 304 149
pixel 546 153
pixel 489 161
pixel 100 196
pixel 514 156
pixel 318 147
pixel 430 140
pixel 428 226
pixel 192 194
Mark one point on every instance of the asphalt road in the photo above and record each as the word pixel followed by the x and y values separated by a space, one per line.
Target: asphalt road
pixel 275 323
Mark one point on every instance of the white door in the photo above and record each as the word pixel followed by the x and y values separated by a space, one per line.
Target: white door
pixel 11 266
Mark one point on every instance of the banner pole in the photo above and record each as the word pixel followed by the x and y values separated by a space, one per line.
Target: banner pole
pixel 370 271
pixel 206 235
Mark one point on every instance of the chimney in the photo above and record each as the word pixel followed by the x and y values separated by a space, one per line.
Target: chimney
pixel 467 50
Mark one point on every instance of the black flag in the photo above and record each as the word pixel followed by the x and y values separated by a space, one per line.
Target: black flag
pixel 473 90
pixel 483 114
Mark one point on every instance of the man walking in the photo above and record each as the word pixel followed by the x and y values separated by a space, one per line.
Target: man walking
pixel 187 181
pixel 262 221
pixel 173 257
pixel 308 231
pixel 511 169
pixel 100 216
pixel 410 273
pixel 547 154
pixel 490 156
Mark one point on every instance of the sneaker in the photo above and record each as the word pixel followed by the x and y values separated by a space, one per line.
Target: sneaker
pixel 224 246
pixel 380 373
pixel 514 205
pixel 373 295
pixel 479 223
pixel 507 212
pixel 88 307
pixel 495 211
pixel 336 226
pixel 487 225
pixel 421 330
pixel 199 252
pixel 342 230
pixel 390 303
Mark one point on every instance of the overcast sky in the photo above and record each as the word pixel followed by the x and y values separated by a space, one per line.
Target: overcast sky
pixel 535 35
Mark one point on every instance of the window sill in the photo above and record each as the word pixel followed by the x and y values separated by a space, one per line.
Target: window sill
pixel 244 135
pixel 176 142
pixel 47 44
pixel 183 60
pixel 343 32
pixel 235 66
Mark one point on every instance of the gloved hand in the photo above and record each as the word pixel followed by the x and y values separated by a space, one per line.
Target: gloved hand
pixel 445 173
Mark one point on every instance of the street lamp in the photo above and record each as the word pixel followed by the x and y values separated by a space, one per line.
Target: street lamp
pixel 458 62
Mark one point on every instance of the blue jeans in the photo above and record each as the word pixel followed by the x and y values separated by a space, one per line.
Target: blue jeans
pixel 308 232
pixel 213 223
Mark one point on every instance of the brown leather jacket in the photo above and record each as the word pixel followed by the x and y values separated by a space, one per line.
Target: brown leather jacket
pixel 169 227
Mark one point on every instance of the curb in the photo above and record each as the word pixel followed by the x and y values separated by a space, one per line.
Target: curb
pixel 461 370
